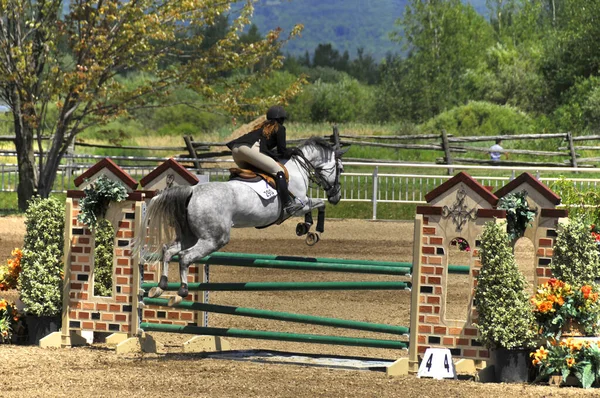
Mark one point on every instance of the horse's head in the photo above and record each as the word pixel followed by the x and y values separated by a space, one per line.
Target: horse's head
pixel 326 161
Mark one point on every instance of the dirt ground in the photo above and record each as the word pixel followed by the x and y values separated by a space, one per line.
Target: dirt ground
pixel 97 371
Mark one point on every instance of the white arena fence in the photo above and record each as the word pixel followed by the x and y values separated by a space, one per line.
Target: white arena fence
pixel 402 183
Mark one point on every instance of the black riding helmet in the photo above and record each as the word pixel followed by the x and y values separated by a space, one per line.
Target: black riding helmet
pixel 276 113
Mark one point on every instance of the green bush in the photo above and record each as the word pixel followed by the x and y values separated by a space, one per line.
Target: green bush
pixel 41 278
pixel 576 259
pixel 480 118
pixel 505 313
pixel 103 258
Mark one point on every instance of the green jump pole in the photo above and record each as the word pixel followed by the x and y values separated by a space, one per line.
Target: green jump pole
pixel 308 259
pixel 266 335
pixel 285 286
pixel 224 258
pixel 227 259
pixel 283 316
pixel 308 266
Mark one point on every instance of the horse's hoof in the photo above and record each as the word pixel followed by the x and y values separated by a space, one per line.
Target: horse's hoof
pixel 312 238
pixel 155 292
pixel 141 304
pixel 173 301
pixel 302 229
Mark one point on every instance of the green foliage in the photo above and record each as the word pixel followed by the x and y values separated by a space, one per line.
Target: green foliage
pixel 41 278
pixel 518 214
pixel 480 118
pixel 576 259
pixel 341 102
pixel 97 199
pixel 104 236
pixel 505 317
pixel 580 203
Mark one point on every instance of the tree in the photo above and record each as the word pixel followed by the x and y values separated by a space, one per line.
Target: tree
pixel 56 95
pixel 442 40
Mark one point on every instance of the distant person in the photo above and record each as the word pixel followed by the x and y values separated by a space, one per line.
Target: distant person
pixel 496 151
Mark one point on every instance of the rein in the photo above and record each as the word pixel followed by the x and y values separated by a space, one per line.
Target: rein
pixel 315 174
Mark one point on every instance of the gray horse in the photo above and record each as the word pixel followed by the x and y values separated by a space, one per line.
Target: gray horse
pixel 193 222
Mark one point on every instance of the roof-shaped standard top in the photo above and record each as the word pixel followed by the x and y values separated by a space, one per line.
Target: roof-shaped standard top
pixel 173 165
pixel 109 165
pixel 527 178
pixel 468 181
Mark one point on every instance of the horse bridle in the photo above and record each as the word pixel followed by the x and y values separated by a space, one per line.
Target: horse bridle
pixel 315 175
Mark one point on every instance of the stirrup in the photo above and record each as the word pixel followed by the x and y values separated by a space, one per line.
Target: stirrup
pixel 292 208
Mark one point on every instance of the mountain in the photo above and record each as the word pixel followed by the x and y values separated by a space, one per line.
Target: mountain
pixel 346 24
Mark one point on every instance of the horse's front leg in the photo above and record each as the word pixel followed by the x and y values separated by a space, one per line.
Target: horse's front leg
pixel 168 252
pixel 304 228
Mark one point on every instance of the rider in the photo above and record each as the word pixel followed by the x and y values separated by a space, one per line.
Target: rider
pixel 256 149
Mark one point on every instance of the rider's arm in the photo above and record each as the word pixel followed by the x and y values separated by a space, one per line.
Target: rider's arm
pixel 281 141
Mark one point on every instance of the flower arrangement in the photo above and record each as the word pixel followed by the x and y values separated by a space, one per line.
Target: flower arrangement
pixel 569 357
pixel 9 273
pixel 595 230
pixel 10 321
pixel 558 303
pixel 462 244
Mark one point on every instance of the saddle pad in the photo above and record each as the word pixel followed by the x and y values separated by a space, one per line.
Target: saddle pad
pixel 261 187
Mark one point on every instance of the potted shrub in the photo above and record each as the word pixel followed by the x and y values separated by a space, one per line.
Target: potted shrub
pixel 505 318
pixel 576 259
pixel 41 277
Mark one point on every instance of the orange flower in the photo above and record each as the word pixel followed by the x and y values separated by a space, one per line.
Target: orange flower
pixel 586 289
pixel 2 305
pixel 570 362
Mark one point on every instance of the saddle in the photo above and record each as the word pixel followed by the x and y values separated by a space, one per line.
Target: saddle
pixel 253 175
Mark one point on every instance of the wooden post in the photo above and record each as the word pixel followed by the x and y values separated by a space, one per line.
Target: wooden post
pixel 572 149
pixel 413 346
pixel 190 147
pixel 446 146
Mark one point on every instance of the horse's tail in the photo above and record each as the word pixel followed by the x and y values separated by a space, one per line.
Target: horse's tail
pixel 165 218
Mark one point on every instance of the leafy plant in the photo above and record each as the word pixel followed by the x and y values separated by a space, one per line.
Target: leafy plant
pixel 10 321
pixel 576 259
pixel 41 278
pixel 9 273
pixel 558 303
pixel 97 199
pixel 505 314
pixel 580 203
pixel 103 258
pixel 569 357
pixel 518 214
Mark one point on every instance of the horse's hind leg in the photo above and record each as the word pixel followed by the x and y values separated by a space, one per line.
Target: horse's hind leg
pixel 168 252
pixel 202 248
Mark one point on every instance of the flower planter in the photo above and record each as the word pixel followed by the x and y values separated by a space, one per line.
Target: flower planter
pixel 573 328
pixel 512 365
pixel 39 327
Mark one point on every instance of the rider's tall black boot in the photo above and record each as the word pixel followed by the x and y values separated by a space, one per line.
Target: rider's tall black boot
pixel 289 207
